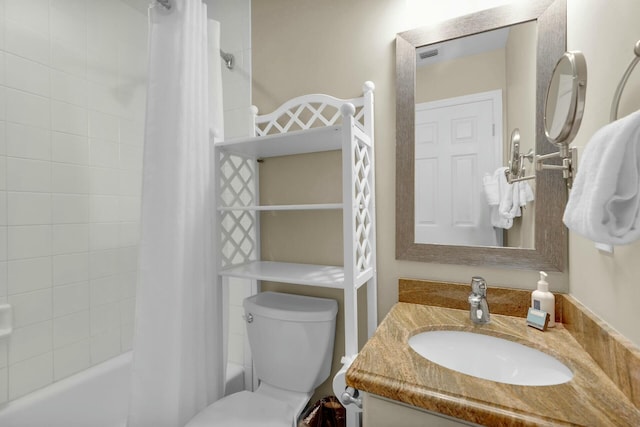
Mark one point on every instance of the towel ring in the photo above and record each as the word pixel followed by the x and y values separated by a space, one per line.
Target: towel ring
pixel 616 97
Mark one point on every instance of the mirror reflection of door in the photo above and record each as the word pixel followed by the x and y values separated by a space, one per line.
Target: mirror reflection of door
pixel 458 140
pixel 499 60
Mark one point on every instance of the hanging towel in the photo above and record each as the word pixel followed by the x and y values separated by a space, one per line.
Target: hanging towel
pixel 505 200
pixel 604 201
pixel 495 187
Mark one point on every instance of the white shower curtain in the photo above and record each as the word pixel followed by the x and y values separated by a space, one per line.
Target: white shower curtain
pixel 179 346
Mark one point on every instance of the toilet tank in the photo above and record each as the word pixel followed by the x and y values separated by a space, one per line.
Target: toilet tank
pixel 291 339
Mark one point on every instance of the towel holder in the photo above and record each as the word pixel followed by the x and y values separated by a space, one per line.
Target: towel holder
pixel 615 104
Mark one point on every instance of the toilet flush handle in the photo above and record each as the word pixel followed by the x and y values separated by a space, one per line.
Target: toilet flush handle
pixel 248 317
pixel 349 396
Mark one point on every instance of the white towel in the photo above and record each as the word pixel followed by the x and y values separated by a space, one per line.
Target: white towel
pixel 505 199
pixel 604 201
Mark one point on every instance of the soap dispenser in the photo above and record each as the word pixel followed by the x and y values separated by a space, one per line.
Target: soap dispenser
pixel 542 299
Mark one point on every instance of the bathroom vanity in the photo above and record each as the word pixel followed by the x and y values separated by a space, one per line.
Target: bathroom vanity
pixel 401 384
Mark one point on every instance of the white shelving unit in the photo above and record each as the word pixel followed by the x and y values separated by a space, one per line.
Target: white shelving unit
pixel 306 124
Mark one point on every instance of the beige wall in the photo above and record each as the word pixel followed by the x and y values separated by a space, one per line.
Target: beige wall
pixel 332 47
pixel 461 76
pixel 605 31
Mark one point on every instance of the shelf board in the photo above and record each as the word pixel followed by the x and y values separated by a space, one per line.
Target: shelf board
pixel 313 140
pixel 307 207
pixel 285 272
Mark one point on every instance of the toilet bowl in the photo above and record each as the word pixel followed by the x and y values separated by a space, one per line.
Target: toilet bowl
pixel 291 339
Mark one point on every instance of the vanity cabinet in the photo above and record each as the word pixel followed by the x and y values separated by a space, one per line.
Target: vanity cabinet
pixel 381 412
pixel 306 124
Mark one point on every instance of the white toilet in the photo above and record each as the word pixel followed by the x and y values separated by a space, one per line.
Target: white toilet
pixel 291 338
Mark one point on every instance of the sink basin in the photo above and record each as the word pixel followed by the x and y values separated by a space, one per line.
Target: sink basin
pixel 491 358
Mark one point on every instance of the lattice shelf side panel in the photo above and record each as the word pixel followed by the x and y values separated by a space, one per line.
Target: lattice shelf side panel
pixel 238 229
pixel 362 170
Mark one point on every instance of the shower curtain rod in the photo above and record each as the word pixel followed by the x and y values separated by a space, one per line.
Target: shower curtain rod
pixel 228 58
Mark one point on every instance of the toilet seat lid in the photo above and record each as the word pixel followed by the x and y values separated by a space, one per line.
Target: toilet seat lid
pixel 245 409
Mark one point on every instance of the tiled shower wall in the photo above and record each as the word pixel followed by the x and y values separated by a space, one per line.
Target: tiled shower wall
pixel 72 100
pixel 235 24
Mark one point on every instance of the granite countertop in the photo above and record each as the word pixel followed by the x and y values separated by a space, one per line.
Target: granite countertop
pixel 388 367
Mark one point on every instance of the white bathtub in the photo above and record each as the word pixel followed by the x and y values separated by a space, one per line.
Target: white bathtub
pixel 96 397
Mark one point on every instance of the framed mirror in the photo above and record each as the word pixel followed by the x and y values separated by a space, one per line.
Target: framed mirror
pixel 548 245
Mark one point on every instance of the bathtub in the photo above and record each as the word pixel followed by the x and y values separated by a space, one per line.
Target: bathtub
pixel 96 397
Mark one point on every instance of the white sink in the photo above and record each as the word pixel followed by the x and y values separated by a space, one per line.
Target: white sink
pixel 491 358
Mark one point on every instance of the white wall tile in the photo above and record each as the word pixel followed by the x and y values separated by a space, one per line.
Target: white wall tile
pixel 4 243
pixel 131 132
pixel 4 385
pixel 69 21
pixel 71 328
pixel 3 173
pixel 26 42
pixel 128 234
pixel 130 183
pixel 27 108
pixel 128 259
pixel 104 290
pixel 69 238
pixel 26 208
pixel 27 75
pixel 70 179
pixel 105 153
pixel 4 353
pixel 103 263
pixel 104 126
pixel 3 291
pixel 70 88
pixel 3 134
pixel 103 236
pixel 68 148
pixel 129 208
pixel 128 282
pixel 130 158
pixel 69 299
pixel 105 317
pixel 28 275
pixel 104 98
pixel 28 175
pixel 31 307
pixel 68 58
pixel 70 208
pixel 69 118
pixel 105 345
pixel 127 311
pixel 70 268
pixel 3 208
pixel 71 359
pixel 29 241
pixel 30 375
pixel 28 142
pixel 105 181
pixel 126 337
pixel 33 14
pixel 30 341
pixel 103 208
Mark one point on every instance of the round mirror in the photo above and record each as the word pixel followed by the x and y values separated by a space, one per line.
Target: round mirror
pixel 565 99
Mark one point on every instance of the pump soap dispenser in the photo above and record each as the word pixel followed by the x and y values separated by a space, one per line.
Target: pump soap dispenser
pixel 544 300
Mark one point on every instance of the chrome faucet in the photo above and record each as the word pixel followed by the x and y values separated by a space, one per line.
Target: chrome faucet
pixel 478 305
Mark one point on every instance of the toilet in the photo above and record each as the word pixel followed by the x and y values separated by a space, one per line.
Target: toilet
pixel 291 339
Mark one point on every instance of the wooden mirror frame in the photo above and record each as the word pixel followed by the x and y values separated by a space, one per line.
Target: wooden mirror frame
pixel 550 240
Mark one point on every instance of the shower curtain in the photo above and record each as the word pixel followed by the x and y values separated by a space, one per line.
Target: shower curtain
pixel 179 347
